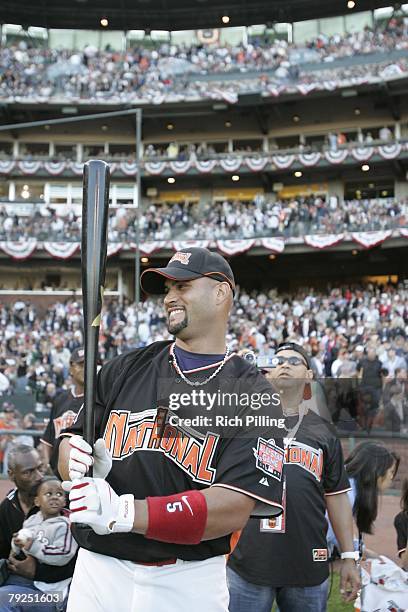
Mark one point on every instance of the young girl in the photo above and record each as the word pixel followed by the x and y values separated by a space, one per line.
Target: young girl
pixel 401 527
pixel 371 468
pixel 46 535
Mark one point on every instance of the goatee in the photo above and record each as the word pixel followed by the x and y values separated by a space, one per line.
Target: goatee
pixel 177 327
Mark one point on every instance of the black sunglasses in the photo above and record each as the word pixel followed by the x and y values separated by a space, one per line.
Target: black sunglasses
pixel 295 361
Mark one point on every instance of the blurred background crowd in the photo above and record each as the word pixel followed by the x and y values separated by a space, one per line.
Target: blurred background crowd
pixel 223 219
pixel 346 331
pixel 146 73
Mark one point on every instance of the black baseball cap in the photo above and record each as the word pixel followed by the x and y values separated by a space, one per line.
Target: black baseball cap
pixel 77 355
pixel 293 346
pixel 188 264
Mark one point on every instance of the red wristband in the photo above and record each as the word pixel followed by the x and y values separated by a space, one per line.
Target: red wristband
pixel 177 519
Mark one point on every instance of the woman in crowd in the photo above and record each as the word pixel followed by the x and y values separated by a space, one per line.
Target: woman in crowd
pixel 371 468
pixel 401 527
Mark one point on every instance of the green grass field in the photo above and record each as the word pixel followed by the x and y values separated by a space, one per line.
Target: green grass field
pixel 336 603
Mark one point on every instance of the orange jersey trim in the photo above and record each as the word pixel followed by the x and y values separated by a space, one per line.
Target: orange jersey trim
pixel 249 494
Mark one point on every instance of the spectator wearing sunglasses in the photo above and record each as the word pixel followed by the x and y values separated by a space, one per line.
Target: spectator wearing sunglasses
pixel 286 558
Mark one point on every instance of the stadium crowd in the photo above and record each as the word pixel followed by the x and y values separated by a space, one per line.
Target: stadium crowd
pixel 340 328
pixel 27 71
pixel 297 216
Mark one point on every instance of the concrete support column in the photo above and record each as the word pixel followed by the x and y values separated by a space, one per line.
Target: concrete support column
pixel 401 190
pixel 206 196
pixel 79 152
pixel 12 191
pixel 336 189
pixel 120 285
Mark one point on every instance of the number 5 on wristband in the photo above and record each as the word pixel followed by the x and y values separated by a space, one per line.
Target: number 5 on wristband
pixel 177 519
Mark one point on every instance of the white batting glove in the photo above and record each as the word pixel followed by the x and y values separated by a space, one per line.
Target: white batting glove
pixel 92 501
pixel 81 458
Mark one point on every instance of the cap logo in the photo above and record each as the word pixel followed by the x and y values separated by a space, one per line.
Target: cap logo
pixel 183 258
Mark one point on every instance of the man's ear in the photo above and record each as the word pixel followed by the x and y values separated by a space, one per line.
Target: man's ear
pixel 223 292
pixel 10 474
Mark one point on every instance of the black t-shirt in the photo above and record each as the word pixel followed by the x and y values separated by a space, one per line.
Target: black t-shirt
pixel 292 550
pixel 401 526
pixel 371 372
pixel 62 416
pixel 141 414
pixel 11 520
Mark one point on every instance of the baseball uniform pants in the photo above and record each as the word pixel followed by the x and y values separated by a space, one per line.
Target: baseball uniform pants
pixel 103 584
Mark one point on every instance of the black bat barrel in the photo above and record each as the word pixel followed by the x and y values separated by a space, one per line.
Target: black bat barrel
pixel 95 211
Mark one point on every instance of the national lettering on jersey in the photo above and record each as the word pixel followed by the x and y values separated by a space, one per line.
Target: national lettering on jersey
pixel 306 457
pixel 150 430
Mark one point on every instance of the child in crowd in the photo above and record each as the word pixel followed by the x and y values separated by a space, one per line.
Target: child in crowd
pixel 46 535
pixel 401 527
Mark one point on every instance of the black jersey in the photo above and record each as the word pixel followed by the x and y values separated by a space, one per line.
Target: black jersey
pixel 142 413
pixel 63 414
pixel 292 550
pixel 401 527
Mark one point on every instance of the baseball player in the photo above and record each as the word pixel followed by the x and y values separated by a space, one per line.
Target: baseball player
pixel 172 484
pixel 287 559
pixel 65 410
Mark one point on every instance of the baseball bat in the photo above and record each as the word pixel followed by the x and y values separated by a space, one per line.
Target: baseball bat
pixel 95 211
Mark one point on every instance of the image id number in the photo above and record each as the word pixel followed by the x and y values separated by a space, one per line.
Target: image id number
pixel 34 598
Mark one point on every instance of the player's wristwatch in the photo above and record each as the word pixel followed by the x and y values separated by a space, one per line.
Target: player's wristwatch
pixel 355 555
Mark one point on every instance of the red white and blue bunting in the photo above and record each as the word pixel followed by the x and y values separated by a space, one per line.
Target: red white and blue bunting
pixel 180 167
pixel 64 250
pixel 147 248
pixel 276 245
pixel 6 167
pixel 205 166
pixel 255 163
pixel 362 153
pixel 29 167
pixel 323 242
pixel 233 247
pixel 114 248
pixel 182 245
pixel 19 250
pixel 54 168
pixel 283 161
pixel 336 157
pixel 390 151
pixel 368 240
pixel 305 88
pixel 230 164
pixel 130 168
pixel 76 168
pixel 309 159
pixel 61 250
